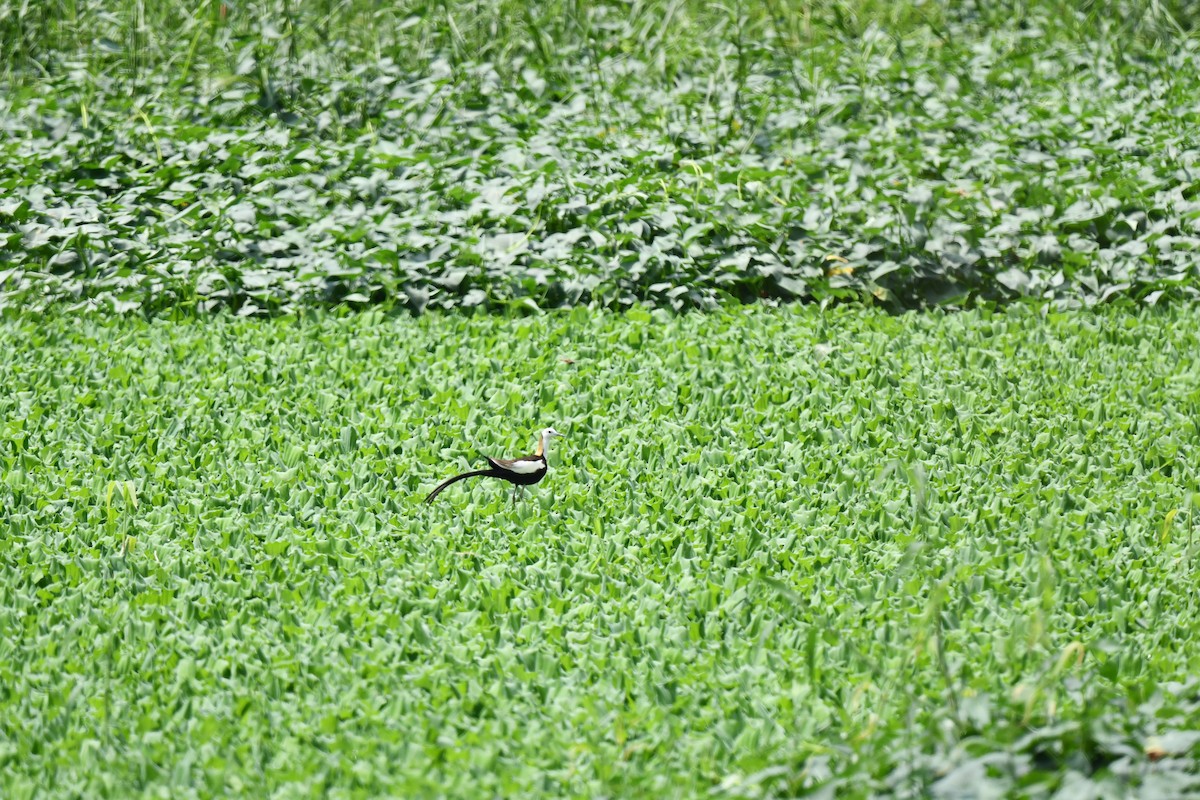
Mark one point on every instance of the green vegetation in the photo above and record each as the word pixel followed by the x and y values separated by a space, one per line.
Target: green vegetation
pixel 269 154
pixel 782 550
pixel 824 549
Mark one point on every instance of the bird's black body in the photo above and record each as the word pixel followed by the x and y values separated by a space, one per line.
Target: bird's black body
pixel 520 472
pixel 503 469
pixel 515 478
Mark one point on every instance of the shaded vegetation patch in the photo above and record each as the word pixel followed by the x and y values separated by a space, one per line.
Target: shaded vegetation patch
pixel 492 156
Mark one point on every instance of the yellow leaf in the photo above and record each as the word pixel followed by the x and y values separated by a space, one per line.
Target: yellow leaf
pixel 1166 526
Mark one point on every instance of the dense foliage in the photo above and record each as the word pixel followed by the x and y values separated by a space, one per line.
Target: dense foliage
pixel 267 154
pixel 781 551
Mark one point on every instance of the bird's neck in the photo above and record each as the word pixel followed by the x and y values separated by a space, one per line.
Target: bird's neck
pixel 541 445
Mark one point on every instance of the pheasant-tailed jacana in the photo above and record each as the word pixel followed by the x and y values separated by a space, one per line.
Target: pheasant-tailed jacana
pixel 521 472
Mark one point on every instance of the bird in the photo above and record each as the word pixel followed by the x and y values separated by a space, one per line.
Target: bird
pixel 521 472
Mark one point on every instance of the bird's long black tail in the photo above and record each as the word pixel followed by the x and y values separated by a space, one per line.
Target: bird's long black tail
pixel 490 473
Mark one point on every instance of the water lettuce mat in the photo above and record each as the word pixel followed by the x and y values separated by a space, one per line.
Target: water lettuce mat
pixel 781 552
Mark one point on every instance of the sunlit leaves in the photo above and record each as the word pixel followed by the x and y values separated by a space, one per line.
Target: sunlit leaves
pixel 777 551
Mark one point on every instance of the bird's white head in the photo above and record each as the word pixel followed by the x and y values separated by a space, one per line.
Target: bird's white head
pixel 544 440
